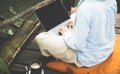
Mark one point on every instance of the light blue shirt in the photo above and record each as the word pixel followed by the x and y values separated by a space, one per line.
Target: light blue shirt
pixel 93 34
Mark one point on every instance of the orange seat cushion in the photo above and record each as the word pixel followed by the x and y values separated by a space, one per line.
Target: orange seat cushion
pixel 110 66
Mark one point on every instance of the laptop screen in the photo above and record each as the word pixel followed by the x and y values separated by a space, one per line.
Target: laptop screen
pixel 52 14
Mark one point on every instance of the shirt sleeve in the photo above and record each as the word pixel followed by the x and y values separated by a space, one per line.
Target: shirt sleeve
pixel 72 16
pixel 77 38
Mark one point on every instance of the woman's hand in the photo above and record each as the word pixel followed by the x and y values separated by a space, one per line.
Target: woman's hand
pixel 64 29
pixel 73 9
pixel 70 24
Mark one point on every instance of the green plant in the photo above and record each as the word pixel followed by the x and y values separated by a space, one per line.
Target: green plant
pixel 3 67
pixel 19 22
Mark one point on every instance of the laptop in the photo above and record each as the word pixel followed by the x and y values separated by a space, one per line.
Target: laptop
pixel 68 4
pixel 52 15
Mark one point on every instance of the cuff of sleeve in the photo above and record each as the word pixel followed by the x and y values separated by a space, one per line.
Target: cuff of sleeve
pixel 67 34
pixel 72 16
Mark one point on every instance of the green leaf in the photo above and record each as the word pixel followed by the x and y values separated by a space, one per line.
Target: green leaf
pixel 3 67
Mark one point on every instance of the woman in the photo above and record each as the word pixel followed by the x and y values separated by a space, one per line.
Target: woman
pixel 92 38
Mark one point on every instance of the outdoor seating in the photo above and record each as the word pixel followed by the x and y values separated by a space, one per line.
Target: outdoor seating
pixel 110 66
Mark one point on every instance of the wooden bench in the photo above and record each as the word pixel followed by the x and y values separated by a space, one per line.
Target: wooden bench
pixel 110 66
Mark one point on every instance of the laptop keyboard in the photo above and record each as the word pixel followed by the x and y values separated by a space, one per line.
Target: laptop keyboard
pixel 56 28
